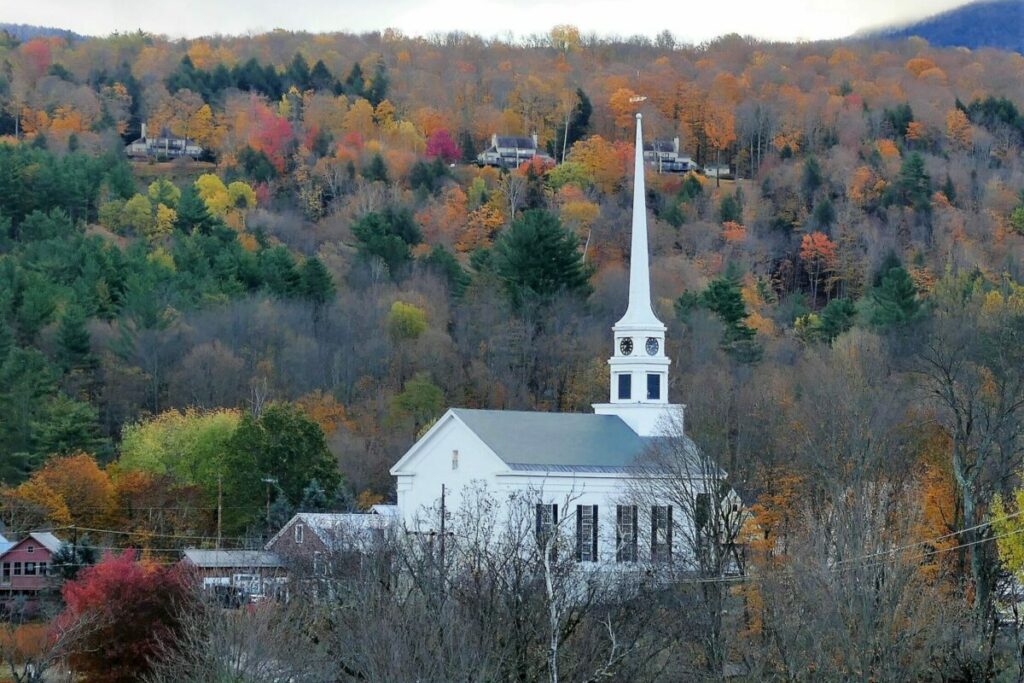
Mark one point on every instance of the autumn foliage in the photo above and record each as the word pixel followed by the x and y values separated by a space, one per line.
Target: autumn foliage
pixel 135 608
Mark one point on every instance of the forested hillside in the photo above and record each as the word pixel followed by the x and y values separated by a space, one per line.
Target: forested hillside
pixel 997 24
pixel 333 263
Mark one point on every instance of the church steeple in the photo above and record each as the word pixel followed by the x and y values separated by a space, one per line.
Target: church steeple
pixel 639 311
pixel 639 366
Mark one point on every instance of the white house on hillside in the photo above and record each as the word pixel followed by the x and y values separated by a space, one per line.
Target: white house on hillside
pixel 588 462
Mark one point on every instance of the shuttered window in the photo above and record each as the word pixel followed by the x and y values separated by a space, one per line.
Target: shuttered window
pixel 626 532
pixel 546 521
pixel 586 533
pixel 661 533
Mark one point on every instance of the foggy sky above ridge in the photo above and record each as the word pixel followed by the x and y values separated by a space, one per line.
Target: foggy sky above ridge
pixel 785 20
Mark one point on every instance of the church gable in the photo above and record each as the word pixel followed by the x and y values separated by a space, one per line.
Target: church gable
pixel 448 446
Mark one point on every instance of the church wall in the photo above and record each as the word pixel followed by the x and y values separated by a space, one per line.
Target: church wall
pixel 420 493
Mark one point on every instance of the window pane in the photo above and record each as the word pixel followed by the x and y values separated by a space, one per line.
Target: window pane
pixel 625 387
pixel 586 533
pixel 626 520
pixel 653 386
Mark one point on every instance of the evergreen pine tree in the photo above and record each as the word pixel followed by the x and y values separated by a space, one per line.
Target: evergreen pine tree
pixel 320 78
pixel 913 186
pixel 441 260
pixel 277 267
pixel 378 89
pixel 73 557
pixel 730 210
pixel 74 343
pixel 724 298
pixel 355 84
pixel 298 73
pixel 811 180
pixel 467 147
pixel 376 169
pixel 314 498
pixel 894 301
pixel 119 181
pixel 193 216
pixel 388 235
pixel 316 283
pixel 824 214
pixel 837 317
pixel 6 341
pixel 536 258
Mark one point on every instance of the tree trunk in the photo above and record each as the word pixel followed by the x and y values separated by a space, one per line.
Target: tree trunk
pixel 979 577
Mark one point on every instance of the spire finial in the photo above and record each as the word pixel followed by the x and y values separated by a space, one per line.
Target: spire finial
pixel 639 311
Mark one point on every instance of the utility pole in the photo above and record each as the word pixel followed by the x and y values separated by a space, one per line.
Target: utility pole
pixel 443 515
pixel 268 481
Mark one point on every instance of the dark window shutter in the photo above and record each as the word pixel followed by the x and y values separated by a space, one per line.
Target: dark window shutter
pixel 618 533
pixel 554 517
pixel 540 517
pixel 593 533
pixel 579 533
pixel 668 535
pixel 654 532
pixel 635 527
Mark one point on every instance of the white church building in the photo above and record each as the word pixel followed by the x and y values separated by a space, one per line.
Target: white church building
pixel 585 461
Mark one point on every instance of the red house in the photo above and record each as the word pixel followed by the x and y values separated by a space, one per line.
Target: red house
pixel 25 565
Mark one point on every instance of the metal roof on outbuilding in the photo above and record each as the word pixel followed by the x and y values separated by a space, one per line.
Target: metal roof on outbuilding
pixel 231 558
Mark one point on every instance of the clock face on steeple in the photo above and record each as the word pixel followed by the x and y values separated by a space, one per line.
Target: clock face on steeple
pixel 626 346
pixel 652 346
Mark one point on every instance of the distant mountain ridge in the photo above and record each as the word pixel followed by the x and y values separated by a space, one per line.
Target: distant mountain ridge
pixel 988 23
pixel 23 32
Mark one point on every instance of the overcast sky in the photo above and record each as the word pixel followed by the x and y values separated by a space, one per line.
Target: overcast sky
pixel 690 21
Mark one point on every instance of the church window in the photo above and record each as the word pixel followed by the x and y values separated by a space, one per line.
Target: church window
pixel 625 387
pixel 653 386
pixel 299 532
pixel 547 519
pixel 661 533
pixel 455 460
pixel 625 533
pixel 586 533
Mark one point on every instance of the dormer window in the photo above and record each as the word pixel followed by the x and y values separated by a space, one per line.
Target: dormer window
pixel 299 531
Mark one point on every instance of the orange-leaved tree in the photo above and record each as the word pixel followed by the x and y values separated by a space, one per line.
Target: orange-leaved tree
pixel 818 253
pixel 720 129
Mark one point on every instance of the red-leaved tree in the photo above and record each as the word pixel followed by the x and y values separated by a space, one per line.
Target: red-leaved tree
pixel 440 144
pixel 137 608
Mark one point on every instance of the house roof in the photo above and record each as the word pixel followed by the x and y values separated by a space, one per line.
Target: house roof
pixel 47 540
pixel 44 538
pixel 513 141
pixel 331 527
pixel 660 146
pixel 231 558
pixel 547 441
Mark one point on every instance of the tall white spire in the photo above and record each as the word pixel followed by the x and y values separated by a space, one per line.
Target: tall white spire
pixel 639 311
pixel 638 366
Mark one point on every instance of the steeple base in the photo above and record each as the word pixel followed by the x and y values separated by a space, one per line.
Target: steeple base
pixel 647 419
